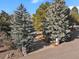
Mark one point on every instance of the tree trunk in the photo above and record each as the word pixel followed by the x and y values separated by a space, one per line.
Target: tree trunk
pixel 57 42
pixel 24 51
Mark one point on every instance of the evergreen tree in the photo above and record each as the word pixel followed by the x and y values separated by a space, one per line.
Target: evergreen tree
pixel 5 22
pixel 75 15
pixel 57 16
pixel 46 30
pixel 40 15
pixel 22 28
pixel 74 10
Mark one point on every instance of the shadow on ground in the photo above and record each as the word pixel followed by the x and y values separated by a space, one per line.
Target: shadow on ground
pixel 73 35
pixel 40 44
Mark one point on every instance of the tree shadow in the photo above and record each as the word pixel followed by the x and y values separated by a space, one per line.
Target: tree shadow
pixel 73 36
pixel 38 45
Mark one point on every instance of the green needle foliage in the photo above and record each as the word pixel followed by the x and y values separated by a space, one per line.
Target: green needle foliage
pixel 75 15
pixel 22 28
pixel 39 16
pixel 57 18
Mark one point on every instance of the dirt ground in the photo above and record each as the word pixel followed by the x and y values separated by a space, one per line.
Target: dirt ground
pixel 12 54
pixel 67 50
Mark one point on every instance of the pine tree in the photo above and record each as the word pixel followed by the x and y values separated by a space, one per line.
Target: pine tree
pixel 4 22
pixel 74 10
pixel 46 30
pixel 40 15
pixel 57 16
pixel 75 15
pixel 22 28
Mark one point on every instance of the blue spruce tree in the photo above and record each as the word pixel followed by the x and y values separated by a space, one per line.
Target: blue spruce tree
pixel 57 17
pixel 22 28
